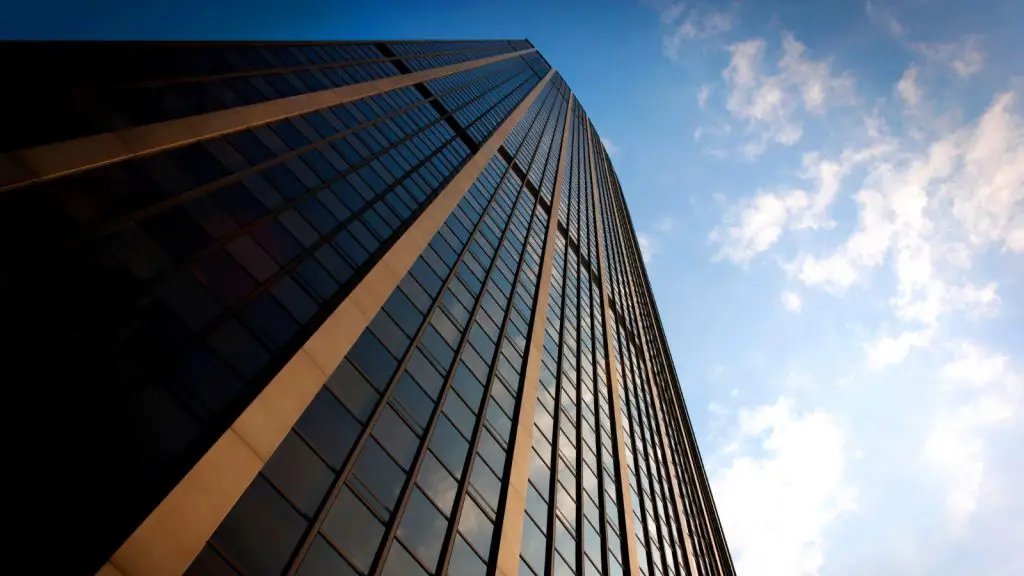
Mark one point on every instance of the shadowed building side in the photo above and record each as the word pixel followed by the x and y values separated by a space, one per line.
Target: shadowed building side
pixel 339 308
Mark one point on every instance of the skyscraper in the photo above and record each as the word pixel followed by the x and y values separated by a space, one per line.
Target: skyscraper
pixel 339 308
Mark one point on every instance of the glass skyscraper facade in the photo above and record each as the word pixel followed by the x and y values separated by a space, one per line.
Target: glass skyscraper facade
pixel 371 308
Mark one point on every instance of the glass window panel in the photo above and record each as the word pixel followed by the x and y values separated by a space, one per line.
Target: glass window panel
pixel 437 483
pixel 476 527
pixel 534 544
pixel 299 473
pixel 449 446
pixel 412 398
pixel 261 531
pixel 396 437
pixel 379 473
pixel 353 529
pixel 373 360
pixel 210 563
pixel 329 428
pixel 486 483
pixel 400 563
pixel 459 414
pixel 323 560
pixel 424 372
pixel 464 561
pixel 403 312
pixel 468 386
pixel 422 528
pixel 390 334
pixel 349 385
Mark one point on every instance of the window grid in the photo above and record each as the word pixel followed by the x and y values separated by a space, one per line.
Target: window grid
pixel 152 82
pixel 501 203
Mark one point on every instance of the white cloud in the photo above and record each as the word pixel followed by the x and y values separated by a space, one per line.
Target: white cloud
pixel 671 12
pixel 965 57
pixel 770 103
pixel 702 96
pixel 776 506
pixel 908 89
pixel 610 147
pixel 928 212
pixel 988 193
pixel 666 224
pixel 753 225
pixel 791 301
pixel 986 395
pixel 648 247
pixel 882 16
pixel 887 350
pixel 698 23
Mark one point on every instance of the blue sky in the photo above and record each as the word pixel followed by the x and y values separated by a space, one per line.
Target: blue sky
pixel 831 200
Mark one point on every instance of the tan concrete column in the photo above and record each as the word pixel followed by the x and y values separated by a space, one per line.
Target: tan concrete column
pixel 173 534
pixel 23 167
pixel 629 534
pixel 514 513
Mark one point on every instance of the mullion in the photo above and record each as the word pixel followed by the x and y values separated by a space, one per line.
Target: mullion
pixel 641 469
pixel 556 441
pixel 597 308
pixel 662 478
pixel 346 469
pixel 580 352
pixel 399 509
pixel 386 395
pixel 662 465
pixel 462 494
pixel 450 536
pixel 557 417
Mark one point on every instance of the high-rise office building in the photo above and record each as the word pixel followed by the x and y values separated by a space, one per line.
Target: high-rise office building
pixel 337 308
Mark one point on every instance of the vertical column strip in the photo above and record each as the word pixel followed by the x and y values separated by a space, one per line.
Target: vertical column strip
pixel 175 532
pixel 49 161
pixel 662 419
pixel 514 510
pixel 629 532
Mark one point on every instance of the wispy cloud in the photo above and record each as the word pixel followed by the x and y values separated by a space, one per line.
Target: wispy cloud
pixel 882 16
pixel 964 56
pixel 908 89
pixel 770 103
pixel 685 23
pixel 753 225
pixel 702 95
pixel 986 394
pixel 791 301
pixel 651 241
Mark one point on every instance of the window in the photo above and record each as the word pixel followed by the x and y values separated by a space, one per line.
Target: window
pixel 396 437
pixel 422 528
pixel 377 478
pixel 353 530
pixel 299 473
pixel 476 527
pixel 261 531
pixel 437 483
pixel 329 428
